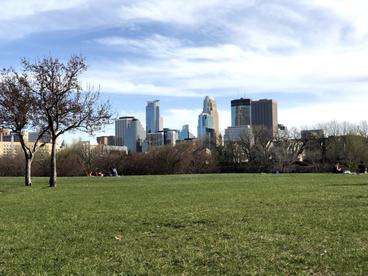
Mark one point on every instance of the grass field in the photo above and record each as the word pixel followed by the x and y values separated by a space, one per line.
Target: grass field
pixel 188 225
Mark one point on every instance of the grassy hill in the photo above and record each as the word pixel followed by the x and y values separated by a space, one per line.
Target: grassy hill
pixel 186 224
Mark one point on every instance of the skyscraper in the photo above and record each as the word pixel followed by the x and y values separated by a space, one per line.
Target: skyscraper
pixel 241 112
pixel 184 133
pixel 208 122
pixel 154 122
pixel 129 132
pixel 264 114
pixel 205 123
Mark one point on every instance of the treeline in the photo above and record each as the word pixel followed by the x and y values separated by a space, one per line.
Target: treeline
pixel 288 153
pixel 80 159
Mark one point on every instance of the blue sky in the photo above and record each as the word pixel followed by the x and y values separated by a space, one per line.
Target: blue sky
pixel 309 55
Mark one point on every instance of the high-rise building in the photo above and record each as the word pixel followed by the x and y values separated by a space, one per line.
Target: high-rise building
pixel 129 132
pixel 241 112
pixel 154 122
pixel 205 124
pixel 106 140
pixel 208 121
pixel 237 134
pixel 264 114
pixel 184 133
pixel 170 136
pixel 153 140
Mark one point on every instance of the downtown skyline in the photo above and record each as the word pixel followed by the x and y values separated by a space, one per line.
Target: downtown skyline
pixel 309 56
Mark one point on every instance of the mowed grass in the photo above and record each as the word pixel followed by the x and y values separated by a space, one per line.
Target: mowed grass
pixel 232 224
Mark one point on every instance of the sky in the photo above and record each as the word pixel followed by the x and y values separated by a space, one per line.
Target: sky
pixel 309 55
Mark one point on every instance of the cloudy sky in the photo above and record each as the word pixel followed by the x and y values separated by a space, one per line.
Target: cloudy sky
pixel 309 55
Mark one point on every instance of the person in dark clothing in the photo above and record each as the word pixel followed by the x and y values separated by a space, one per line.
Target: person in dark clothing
pixel 362 168
pixel 337 168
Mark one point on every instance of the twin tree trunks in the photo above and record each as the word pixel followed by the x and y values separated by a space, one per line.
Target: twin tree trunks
pixel 46 96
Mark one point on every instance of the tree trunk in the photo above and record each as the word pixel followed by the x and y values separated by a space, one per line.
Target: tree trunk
pixel 28 170
pixel 53 173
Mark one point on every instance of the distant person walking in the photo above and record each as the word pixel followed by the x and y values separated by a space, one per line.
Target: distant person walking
pixel 336 168
pixel 362 168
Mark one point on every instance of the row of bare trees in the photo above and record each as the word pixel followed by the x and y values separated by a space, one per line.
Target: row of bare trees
pixel 46 96
pixel 288 152
pixel 81 158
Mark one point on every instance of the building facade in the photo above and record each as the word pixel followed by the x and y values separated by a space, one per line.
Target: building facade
pixel 264 115
pixel 154 123
pixel 241 112
pixel 184 133
pixel 208 121
pixel 129 132
pixel 106 140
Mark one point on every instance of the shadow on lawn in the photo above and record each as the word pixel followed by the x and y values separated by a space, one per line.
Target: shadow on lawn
pixel 347 185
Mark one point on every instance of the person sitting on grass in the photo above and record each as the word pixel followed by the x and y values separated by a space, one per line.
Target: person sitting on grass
pixel 337 168
pixel 362 168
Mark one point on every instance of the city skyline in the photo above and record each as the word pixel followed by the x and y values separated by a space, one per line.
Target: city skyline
pixel 308 55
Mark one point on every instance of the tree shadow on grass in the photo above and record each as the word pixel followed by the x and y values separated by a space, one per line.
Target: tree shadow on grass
pixel 348 185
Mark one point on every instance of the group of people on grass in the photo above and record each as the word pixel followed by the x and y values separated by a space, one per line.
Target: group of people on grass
pixel 362 169
pixel 111 172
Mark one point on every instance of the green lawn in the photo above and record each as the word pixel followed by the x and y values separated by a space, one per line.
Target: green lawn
pixel 186 225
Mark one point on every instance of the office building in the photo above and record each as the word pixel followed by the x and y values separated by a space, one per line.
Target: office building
pixel 312 134
pixel 208 122
pixel 106 140
pixel 264 115
pixel 237 134
pixel 10 142
pixel 154 140
pixel 170 136
pixel 184 133
pixel 241 112
pixel 129 132
pixel 154 123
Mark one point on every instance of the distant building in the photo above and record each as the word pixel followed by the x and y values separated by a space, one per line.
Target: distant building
pixel 170 136
pixel 106 140
pixel 109 149
pixel 236 134
pixel 241 112
pixel 32 137
pixel 184 133
pixel 264 114
pixel 208 121
pixel 240 121
pixel 154 140
pixel 312 134
pixel 129 132
pixel 10 142
pixel 205 125
pixel 154 122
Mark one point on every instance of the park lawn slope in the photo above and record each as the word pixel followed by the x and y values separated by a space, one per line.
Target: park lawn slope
pixel 186 224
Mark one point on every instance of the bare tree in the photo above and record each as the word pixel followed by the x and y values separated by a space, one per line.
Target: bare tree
pixel 18 112
pixel 64 105
pixel 287 149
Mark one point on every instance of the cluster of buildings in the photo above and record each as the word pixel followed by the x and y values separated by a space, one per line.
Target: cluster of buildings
pixel 10 142
pixel 131 136
pixel 130 133
pixel 245 114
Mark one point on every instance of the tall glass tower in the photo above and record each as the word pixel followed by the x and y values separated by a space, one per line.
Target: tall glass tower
pixel 208 122
pixel 153 120
pixel 241 112
pixel 129 132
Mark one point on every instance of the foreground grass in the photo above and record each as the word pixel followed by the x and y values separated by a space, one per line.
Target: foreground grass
pixel 191 225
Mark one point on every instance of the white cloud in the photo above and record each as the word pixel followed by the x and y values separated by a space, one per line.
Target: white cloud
pixel 13 9
pixel 193 71
pixel 349 109
pixel 194 48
